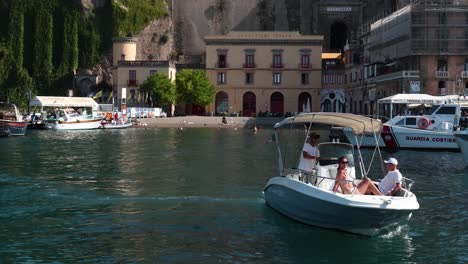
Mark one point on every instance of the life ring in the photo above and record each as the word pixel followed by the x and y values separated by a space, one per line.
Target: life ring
pixel 423 123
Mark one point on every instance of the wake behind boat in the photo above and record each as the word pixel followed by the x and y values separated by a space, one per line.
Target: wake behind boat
pixel 308 197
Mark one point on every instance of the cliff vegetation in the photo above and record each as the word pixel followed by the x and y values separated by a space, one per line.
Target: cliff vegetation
pixel 44 42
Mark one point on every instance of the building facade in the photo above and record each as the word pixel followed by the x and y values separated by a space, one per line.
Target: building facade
pixel 129 73
pixel 264 73
pixel 420 48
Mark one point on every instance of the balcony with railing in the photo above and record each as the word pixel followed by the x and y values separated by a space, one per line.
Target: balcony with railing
pixel 464 74
pixel 249 65
pixel 221 64
pixel 132 82
pixel 304 66
pixel 277 65
pixel 442 74
pixel 147 63
pixel 397 75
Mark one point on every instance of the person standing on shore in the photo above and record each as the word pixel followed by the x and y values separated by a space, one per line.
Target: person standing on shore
pixel 310 153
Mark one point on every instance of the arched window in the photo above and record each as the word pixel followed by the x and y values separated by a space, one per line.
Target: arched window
pixel 304 102
pixel 249 102
pixel 277 103
pixel 338 35
pixel 222 103
pixel 122 57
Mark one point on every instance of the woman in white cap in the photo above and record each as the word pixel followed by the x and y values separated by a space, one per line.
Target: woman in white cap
pixel 391 183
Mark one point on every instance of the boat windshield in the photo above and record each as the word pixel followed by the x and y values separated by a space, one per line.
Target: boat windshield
pixel 433 109
pixel 331 152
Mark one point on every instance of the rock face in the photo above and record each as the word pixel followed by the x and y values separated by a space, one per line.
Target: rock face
pixel 155 41
pixel 195 19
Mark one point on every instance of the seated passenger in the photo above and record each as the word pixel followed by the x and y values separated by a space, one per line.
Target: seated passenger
pixel 366 186
pixel 391 183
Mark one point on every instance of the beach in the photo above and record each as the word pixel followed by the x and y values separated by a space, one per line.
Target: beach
pixel 209 121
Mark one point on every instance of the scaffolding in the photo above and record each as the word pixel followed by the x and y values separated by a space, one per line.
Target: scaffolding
pixel 439 27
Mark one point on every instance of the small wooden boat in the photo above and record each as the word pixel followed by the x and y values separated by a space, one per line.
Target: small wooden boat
pixel 11 122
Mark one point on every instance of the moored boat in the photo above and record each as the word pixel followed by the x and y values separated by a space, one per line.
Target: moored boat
pixel 69 119
pixel 308 197
pixel 433 130
pixel 115 125
pixel 11 122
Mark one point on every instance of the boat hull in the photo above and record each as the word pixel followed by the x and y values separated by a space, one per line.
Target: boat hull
pixel 411 138
pixel 13 128
pixel 75 125
pixel 361 214
pixel 116 126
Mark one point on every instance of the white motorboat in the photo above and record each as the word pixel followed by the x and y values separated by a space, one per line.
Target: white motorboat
pixel 308 197
pixel 69 119
pixel 461 137
pixel 433 130
pixel 115 125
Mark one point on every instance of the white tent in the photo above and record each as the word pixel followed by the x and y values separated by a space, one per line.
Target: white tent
pixel 412 99
pixel 61 102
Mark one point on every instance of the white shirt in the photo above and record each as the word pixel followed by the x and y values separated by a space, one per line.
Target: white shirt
pixel 308 164
pixel 389 181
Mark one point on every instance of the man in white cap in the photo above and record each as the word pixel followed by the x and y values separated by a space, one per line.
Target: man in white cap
pixel 391 183
pixel 310 153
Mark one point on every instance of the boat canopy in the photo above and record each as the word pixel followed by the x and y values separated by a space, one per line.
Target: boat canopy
pixel 359 124
pixel 56 101
pixel 412 99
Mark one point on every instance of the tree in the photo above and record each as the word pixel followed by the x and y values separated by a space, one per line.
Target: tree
pixel 160 88
pixel 193 87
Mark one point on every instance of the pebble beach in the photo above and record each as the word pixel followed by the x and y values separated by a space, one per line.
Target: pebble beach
pixel 208 122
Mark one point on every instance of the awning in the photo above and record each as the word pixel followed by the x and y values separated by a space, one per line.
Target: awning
pixel 359 124
pixel 412 99
pixel 57 101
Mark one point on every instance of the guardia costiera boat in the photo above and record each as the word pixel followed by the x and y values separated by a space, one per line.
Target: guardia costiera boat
pixel 308 197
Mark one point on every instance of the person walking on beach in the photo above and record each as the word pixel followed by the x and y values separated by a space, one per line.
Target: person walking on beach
pixel 310 153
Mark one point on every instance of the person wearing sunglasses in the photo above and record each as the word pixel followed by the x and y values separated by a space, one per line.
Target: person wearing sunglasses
pixel 343 181
pixel 310 153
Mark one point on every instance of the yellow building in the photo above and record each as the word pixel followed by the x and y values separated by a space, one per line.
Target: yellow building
pixel 129 72
pixel 259 72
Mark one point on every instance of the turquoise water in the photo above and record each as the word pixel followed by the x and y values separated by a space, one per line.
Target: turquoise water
pixel 194 196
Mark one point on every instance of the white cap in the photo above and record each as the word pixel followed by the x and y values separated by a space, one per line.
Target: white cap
pixel 391 161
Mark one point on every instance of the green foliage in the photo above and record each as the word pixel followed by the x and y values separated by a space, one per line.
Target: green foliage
pixel 16 32
pixel 194 87
pixel 160 88
pixel 16 85
pixel 131 16
pixel 52 38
